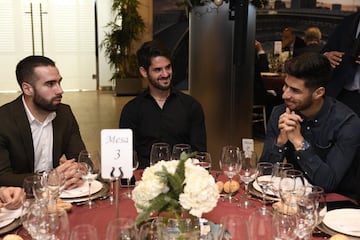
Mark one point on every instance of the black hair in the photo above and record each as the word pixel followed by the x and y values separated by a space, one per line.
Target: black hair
pixel 25 68
pixel 150 50
pixel 313 68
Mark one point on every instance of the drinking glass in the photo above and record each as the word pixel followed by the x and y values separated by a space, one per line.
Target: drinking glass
pixel 284 226
pixel 128 193
pixel 278 171
pixel 230 164
pixel 179 150
pixel 151 231
pixel 306 216
pixel 84 232
pixel 291 187
pixel 121 228
pixel 260 225
pixel 43 223
pixel 247 174
pixel 263 179
pixel 233 225
pixel 203 159
pixel 317 195
pixel 159 151
pixel 89 162
pixel 53 183
pixel 40 190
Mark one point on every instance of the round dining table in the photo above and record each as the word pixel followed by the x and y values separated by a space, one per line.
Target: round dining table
pixel 105 210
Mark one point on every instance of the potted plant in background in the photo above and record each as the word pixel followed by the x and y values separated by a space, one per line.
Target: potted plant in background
pixel 126 27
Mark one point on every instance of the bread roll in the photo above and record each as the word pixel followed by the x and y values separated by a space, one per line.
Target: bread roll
pixel 234 186
pixel 220 186
pixel 12 237
pixel 339 237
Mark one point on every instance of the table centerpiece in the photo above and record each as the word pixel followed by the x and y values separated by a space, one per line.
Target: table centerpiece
pixel 174 190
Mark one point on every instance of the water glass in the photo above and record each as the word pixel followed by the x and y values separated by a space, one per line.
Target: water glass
pixel 121 228
pixel 284 226
pixel 260 225
pixel 159 151
pixel 233 225
pixel 291 188
pixel 84 232
pixel 203 159
pixel 263 179
pixel 179 151
pixel 247 174
pixel 279 169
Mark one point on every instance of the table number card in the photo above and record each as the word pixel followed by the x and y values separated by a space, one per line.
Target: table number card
pixel 277 47
pixel 248 145
pixel 116 153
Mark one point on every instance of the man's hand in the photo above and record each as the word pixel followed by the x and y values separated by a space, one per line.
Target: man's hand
pixel 289 125
pixel 334 57
pixel 69 170
pixel 11 197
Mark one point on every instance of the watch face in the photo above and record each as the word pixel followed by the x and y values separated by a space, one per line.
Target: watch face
pixel 305 145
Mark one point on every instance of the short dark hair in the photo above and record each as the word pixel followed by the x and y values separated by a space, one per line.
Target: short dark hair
pixel 25 68
pixel 313 68
pixel 149 50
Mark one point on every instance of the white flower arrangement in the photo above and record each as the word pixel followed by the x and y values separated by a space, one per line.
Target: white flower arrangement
pixel 170 186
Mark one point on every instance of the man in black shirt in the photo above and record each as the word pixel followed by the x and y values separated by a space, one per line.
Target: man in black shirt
pixel 161 113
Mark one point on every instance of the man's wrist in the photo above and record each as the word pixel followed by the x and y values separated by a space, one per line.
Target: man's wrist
pixel 304 145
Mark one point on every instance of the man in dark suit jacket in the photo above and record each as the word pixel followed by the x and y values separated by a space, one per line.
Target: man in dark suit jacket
pixel 36 129
pixel 343 51
pixel 289 40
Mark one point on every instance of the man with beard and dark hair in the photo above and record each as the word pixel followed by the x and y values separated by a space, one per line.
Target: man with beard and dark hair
pixel 38 132
pixel 161 113
pixel 316 133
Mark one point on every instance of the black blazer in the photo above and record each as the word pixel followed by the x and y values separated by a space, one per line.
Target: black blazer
pixel 16 144
pixel 342 39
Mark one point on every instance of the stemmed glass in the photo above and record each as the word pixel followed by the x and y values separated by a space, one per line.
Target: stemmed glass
pixel 53 182
pixel 121 228
pixel 278 171
pixel 247 174
pixel 203 159
pixel 128 194
pixel 89 168
pixel 233 225
pixel 159 151
pixel 263 179
pixel 84 232
pixel 284 225
pixel 179 150
pixel 291 188
pixel 230 164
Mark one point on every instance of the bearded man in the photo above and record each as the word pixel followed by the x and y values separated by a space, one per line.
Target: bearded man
pixel 161 113
pixel 37 132
pixel 317 134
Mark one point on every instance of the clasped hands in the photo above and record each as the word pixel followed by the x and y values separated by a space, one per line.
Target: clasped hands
pixel 69 170
pixel 290 129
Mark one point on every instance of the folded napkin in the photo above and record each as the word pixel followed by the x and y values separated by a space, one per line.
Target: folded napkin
pixel 6 215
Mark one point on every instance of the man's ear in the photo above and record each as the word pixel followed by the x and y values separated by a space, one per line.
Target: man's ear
pixel 27 88
pixel 319 93
pixel 143 72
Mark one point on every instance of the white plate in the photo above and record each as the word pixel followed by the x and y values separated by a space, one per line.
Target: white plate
pixel 8 216
pixel 344 220
pixel 275 186
pixel 82 191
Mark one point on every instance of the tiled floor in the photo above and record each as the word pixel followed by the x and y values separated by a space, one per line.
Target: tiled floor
pixel 95 111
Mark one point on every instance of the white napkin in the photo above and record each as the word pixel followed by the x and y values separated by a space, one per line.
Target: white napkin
pixel 7 216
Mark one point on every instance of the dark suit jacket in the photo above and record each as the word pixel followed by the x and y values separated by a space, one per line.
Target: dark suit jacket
pixel 16 144
pixel 342 39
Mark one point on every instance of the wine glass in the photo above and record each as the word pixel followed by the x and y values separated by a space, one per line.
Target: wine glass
pixel 233 225
pixel 203 159
pixel 40 189
pixel 263 179
pixel 306 216
pixel 53 183
pixel 159 151
pixel 247 174
pixel 230 164
pixel 89 162
pixel 291 187
pixel 179 150
pixel 278 171
pixel 260 225
pixel 128 194
pixel 121 228
pixel 84 232
pixel 284 225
